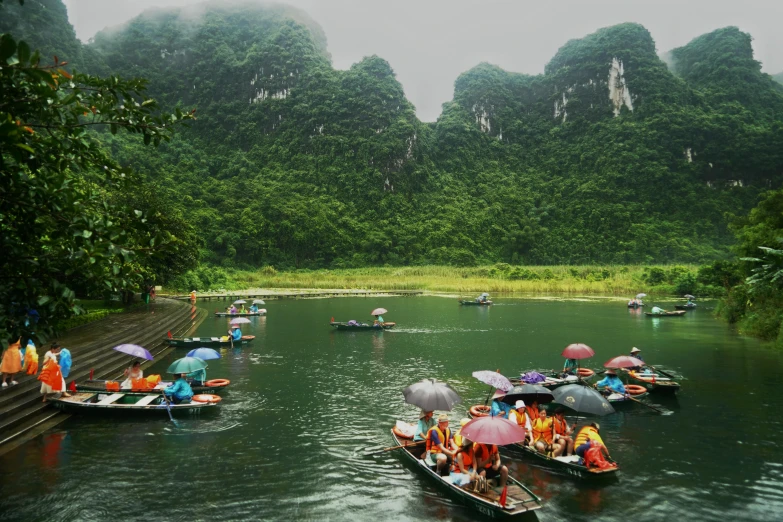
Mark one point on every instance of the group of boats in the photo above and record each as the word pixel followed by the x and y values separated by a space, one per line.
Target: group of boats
pixel 680 309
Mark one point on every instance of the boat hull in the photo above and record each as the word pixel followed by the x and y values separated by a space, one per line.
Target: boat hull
pixel 91 403
pixel 528 501
pixel 248 314
pixel 655 383
pixel 684 307
pixel 197 342
pixel 361 327
pixel 572 469
pixel 474 303
pixel 100 386
pixel 678 313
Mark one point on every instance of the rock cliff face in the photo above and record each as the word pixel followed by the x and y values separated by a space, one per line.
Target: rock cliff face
pixel 608 156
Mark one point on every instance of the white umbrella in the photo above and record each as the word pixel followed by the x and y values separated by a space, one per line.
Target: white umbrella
pixel 639 296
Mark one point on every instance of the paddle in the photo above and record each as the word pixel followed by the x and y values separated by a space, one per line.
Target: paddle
pixel 645 404
pixel 661 372
pixel 168 409
pixel 407 445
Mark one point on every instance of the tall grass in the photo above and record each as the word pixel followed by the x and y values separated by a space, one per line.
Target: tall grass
pixel 607 280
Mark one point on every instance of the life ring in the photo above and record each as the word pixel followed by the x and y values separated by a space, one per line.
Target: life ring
pixel 585 372
pixel 644 378
pixel 206 397
pixel 635 389
pixel 217 382
pixel 480 410
pixel 399 434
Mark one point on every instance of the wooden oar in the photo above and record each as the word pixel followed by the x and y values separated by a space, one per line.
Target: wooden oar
pixel 168 409
pixel 661 372
pixel 407 445
pixel 644 403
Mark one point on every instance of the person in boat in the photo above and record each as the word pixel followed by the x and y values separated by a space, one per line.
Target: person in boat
pixel 232 309
pixel 180 391
pixel 131 373
pixel 658 310
pixel 464 459
pixel 610 384
pixel 487 460
pixel 570 367
pixel 11 364
pixel 235 333
pixel 563 441
pixel 242 309
pixel 378 321
pixel 519 415
pixel 52 381
pixel 253 308
pixel 440 445
pixel 500 409
pixel 588 437
pixel 198 377
pixel 532 411
pixel 543 432
pixel 426 421
pixel 637 353
pixel 458 433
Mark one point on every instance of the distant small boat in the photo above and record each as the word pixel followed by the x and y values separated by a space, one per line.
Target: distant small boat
pixel 467 302
pixel 245 314
pixel 106 402
pixel 193 342
pixel 685 306
pixel 362 326
pixel 666 314
pixel 635 305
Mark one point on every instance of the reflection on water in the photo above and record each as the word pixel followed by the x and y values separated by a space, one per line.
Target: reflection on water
pixel 307 403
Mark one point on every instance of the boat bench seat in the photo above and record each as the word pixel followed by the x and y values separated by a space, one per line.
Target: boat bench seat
pixel 111 398
pixel 571 458
pixel 147 400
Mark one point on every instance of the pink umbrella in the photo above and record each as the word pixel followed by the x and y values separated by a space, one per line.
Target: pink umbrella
pixel 379 311
pixel 493 430
pixel 578 351
pixel 623 361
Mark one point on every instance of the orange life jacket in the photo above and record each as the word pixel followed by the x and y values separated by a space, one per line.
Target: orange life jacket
pixel 444 439
pixel 586 434
pixel 561 427
pixel 467 458
pixel 594 457
pixel 519 416
pixel 484 453
pixel 532 412
pixel 542 429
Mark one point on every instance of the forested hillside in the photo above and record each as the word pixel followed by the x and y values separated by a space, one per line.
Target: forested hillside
pixel 609 156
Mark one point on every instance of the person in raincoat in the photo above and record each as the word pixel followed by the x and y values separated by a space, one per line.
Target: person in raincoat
pixel 31 360
pixel 235 333
pixel 570 366
pixel 51 376
pixel 611 383
pixel 254 308
pixel 11 365
pixel 198 377
pixel 656 310
pixel 180 392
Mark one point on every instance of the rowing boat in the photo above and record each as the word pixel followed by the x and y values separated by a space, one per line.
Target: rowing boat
pixel 666 314
pixel 149 403
pixel 191 342
pixel 519 499
pixel 685 307
pixel 100 386
pixel 246 314
pixel 653 382
pixel 362 326
pixel 476 303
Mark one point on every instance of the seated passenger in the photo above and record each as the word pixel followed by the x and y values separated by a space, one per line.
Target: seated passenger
pixel 440 443
pixel 254 308
pixel 487 459
pixel 179 392
pixel 611 384
pixel 134 372
pixel 232 310
pixel 519 415
pixel 543 434
pixel 426 421
pixel 500 409
pixel 563 442
pixel 464 459
pixel 532 411
pixel 242 309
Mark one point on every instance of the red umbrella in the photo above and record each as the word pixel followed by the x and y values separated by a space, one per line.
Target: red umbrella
pixel 623 361
pixel 493 430
pixel 578 351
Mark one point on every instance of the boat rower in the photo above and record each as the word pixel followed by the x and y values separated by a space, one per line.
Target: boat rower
pixel 180 392
pixel 570 367
pixel 426 421
pixel 611 383
pixel 254 308
pixel 235 333
pixel 657 310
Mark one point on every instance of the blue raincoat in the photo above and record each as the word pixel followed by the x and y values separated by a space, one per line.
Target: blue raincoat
pixel 65 362
pixel 180 391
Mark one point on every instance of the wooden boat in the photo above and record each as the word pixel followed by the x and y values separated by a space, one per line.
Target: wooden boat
pixel 653 382
pixel 519 499
pixel 197 342
pixel 554 379
pixel 100 386
pixel 620 400
pixel 246 314
pixel 362 326
pixel 149 403
pixel 667 314
pixel 685 307
pixel 476 303
pixel 635 305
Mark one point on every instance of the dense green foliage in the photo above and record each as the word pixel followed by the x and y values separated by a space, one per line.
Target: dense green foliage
pixel 72 220
pixel 607 157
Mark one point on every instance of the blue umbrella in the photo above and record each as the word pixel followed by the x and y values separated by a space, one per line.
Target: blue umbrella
pixel 204 354
pixel 135 350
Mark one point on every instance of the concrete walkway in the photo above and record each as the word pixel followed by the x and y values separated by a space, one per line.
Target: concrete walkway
pixel 23 415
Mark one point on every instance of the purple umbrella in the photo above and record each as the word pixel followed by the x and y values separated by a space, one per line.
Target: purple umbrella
pixel 134 350
pixel 240 320
pixel 494 379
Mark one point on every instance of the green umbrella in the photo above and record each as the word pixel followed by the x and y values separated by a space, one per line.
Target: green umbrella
pixel 186 365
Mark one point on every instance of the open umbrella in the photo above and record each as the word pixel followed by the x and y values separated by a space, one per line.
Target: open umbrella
pixel 582 399
pixel 494 379
pixel 623 361
pixel 493 430
pixel 484 295
pixel 186 365
pixel 204 354
pixel 689 296
pixel 240 320
pixel 135 350
pixel 240 301
pixel 258 301
pixel 528 393
pixel 639 296
pixel 379 311
pixel 431 395
pixel 578 351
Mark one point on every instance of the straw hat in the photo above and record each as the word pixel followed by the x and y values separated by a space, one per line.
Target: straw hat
pixel 424 414
pixel 610 372
pixel 635 349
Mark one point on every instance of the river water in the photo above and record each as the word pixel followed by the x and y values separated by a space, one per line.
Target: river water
pixel 306 403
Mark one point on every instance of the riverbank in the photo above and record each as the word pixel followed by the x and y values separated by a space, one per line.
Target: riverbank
pixel 499 278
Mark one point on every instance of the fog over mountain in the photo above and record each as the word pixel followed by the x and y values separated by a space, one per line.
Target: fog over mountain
pixel 430 43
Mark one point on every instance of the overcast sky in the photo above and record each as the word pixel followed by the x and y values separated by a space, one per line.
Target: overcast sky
pixel 430 42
